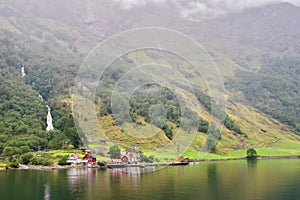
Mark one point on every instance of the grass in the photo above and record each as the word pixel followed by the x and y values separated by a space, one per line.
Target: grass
pixel 58 154
pixel 63 152
pixel 3 164
pixel 292 145
pixel 281 148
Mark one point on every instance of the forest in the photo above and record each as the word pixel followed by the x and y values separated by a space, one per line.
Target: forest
pixel 274 89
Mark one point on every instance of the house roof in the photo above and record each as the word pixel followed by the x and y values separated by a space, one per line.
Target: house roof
pixel 89 155
pixel 76 155
pixel 124 156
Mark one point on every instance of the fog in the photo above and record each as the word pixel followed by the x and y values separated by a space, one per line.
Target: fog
pixel 204 8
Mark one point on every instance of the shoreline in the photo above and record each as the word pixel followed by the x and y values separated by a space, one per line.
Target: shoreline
pixel 245 158
pixel 59 167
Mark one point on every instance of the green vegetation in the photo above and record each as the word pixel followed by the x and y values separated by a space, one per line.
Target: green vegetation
pixel 63 160
pixel 44 160
pixel 52 56
pixel 251 153
pixel 274 89
pixel 102 163
pixel 22 113
pixel 147 159
pixel 114 152
pixel 218 112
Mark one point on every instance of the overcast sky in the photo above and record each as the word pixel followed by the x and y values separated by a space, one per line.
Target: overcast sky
pixel 205 8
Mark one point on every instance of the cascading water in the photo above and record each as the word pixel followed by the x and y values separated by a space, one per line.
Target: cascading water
pixel 49 117
pixel 42 99
pixel 49 120
pixel 23 72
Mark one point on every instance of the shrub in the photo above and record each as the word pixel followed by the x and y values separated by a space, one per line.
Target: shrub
pixel 210 143
pixel 63 161
pixel 14 164
pixel 251 153
pixel 41 161
pixel 25 149
pixel 101 163
pixel 25 159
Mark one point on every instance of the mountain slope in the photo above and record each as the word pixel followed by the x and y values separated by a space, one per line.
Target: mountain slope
pixel 52 38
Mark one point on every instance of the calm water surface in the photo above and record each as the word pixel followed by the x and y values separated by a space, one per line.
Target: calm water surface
pixel 270 179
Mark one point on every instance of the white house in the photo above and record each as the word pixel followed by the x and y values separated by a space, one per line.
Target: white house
pixel 74 159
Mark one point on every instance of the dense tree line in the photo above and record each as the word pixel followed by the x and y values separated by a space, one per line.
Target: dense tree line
pixel 274 89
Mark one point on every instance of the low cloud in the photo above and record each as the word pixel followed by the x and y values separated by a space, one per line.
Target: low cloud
pixel 193 9
pixel 213 8
pixel 129 4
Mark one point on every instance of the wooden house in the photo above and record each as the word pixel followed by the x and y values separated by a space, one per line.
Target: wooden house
pixel 90 158
pixel 74 159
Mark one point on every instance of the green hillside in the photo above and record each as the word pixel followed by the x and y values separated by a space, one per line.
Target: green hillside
pixel 261 84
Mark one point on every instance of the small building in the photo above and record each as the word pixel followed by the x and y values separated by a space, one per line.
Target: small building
pixel 124 159
pixel 130 157
pixel 74 159
pixel 116 161
pixel 102 141
pixel 90 158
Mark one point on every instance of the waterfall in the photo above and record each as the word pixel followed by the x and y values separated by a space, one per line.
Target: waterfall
pixel 42 99
pixel 49 120
pixel 23 72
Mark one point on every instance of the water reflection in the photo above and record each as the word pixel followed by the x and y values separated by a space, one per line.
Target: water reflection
pixel 245 180
pixel 252 167
pixel 79 180
pixel 47 192
pixel 133 170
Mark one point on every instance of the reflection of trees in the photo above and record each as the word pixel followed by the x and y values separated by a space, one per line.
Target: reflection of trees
pixel 214 181
pixel 130 173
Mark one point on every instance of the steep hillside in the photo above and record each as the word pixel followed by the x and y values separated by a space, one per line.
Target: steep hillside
pixel 34 75
pixel 256 50
pixel 273 90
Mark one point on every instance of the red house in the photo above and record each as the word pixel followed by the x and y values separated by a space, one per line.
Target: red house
pixel 91 158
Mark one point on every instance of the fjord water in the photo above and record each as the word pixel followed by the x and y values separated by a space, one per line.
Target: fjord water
pixel 268 179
